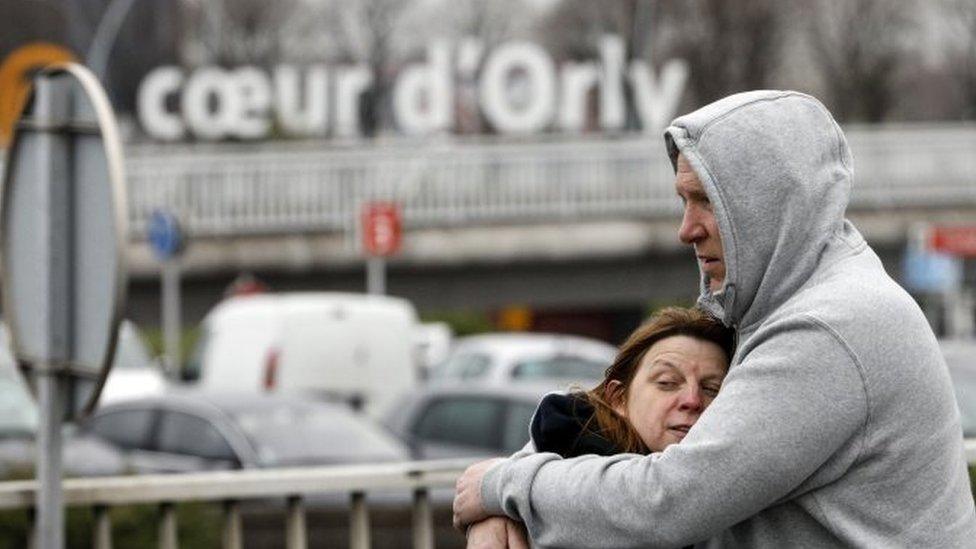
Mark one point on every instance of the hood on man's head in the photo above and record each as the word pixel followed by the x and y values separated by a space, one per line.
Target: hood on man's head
pixel 778 171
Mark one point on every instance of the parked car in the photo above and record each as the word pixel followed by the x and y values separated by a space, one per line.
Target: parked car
pixel 194 431
pixel 433 341
pixel 960 355
pixel 82 455
pixel 450 420
pixel 501 358
pixel 355 347
pixel 134 372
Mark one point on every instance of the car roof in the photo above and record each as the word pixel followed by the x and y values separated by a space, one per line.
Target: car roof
pixel 278 304
pixel 520 344
pixel 525 391
pixel 230 403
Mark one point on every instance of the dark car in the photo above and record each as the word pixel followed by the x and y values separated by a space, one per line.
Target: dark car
pixel 194 431
pixel 461 420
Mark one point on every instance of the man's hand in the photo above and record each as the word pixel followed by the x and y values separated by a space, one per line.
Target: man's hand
pixel 497 533
pixel 468 507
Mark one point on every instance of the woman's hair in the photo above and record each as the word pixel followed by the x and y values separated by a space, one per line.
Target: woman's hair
pixel 671 321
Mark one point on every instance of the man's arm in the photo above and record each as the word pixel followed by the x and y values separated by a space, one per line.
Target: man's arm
pixel 782 413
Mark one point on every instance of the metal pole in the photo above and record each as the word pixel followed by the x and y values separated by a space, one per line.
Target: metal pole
pixel 171 315
pixel 103 528
pixel 296 533
pixel 376 275
pixel 167 526
pixel 423 520
pixel 51 108
pixel 50 500
pixel 359 522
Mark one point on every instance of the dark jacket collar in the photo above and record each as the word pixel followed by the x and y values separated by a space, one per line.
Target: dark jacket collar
pixel 562 424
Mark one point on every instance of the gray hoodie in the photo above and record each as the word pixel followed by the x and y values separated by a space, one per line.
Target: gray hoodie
pixel 836 425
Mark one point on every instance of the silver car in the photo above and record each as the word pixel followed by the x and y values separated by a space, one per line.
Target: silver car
pixel 960 355
pixel 195 431
pixel 451 420
pixel 500 359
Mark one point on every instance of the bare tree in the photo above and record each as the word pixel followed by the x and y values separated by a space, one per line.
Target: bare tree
pixel 729 46
pixel 233 32
pixel 573 29
pixel 365 31
pixel 860 47
pixel 960 21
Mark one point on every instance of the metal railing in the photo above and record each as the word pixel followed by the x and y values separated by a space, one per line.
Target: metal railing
pixel 290 485
pixel 283 187
pixel 233 487
pixel 302 187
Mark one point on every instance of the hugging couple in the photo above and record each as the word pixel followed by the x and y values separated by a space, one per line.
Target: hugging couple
pixel 804 402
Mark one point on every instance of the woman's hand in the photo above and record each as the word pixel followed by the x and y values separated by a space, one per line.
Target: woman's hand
pixel 468 507
pixel 497 533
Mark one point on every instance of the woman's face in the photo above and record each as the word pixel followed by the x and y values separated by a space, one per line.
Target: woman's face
pixel 675 381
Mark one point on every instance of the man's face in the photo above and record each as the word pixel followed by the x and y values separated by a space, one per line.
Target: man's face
pixel 698 225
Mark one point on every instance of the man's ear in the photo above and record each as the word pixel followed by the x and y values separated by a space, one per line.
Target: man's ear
pixel 616 397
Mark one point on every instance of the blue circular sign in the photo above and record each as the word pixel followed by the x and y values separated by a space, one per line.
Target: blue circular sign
pixel 165 235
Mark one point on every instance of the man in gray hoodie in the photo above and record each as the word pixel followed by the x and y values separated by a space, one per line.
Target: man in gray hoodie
pixel 836 425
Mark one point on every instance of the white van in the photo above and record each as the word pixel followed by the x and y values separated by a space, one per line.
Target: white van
pixel 354 347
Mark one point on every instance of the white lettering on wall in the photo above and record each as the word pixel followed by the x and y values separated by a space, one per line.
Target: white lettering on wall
pixel 612 108
pixel 422 95
pixel 520 90
pixel 254 94
pixel 351 82
pixel 151 104
pixel 302 110
pixel 210 103
pixel 657 100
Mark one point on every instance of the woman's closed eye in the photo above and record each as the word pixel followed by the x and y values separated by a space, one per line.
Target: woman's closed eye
pixel 668 384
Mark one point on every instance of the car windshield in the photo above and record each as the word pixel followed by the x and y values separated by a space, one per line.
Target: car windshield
pixel 572 367
pixel 463 366
pixel 307 433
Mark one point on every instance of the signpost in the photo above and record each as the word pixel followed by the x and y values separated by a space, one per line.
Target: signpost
pixel 166 239
pixel 382 235
pixel 63 228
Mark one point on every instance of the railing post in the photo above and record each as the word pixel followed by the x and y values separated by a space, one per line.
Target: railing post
pixel 423 520
pixel 167 526
pixel 233 531
pixel 32 528
pixel 296 536
pixel 359 522
pixel 103 528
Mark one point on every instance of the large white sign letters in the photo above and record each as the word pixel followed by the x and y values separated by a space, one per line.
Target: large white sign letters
pixel 520 90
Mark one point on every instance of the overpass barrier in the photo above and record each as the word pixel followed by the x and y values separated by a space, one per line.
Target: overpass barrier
pixel 284 187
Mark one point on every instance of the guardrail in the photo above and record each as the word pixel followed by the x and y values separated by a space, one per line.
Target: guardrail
pixel 302 187
pixel 231 487
pixel 292 485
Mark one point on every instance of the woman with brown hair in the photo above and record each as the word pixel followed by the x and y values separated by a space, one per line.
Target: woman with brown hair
pixel 664 376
